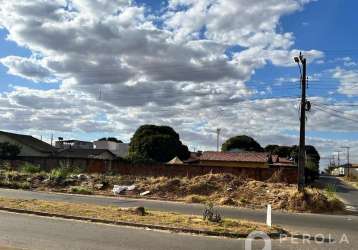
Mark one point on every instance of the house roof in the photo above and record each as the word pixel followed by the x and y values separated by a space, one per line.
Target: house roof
pixel 234 156
pixel 243 157
pixel 82 153
pixel 30 141
pixel 175 160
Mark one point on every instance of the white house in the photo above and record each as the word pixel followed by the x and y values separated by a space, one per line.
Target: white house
pixel 76 144
pixel 119 149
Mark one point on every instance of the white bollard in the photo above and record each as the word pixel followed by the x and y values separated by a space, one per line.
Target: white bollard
pixel 268 217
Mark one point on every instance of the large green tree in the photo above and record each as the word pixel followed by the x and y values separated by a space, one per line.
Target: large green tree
pixel 114 139
pixel 242 143
pixel 282 151
pixel 158 143
pixel 8 150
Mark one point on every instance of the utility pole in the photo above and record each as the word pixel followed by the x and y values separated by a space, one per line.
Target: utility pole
pixel 51 139
pixel 348 166
pixel 218 130
pixel 305 106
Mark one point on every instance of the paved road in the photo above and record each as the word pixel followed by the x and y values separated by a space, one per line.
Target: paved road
pixel 287 220
pixel 41 233
pixel 348 194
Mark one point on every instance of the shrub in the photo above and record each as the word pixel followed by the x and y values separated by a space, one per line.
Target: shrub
pixel 80 190
pixel 331 190
pixel 210 214
pixel 58 173
pixel 30 168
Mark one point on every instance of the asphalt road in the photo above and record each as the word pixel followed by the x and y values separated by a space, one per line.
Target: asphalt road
pixel 41 233
pixel 348 194
pixel 33 232
pixel 293 221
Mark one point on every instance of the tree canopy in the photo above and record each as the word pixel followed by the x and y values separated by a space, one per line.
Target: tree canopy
pixel 114 139
pixel 8 150
pixel 312 157
pixel 158 143
pixel 241 142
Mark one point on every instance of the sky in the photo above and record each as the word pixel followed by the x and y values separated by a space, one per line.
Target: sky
pixel 86 69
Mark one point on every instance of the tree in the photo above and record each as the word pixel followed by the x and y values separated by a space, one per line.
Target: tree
pixel 312 161
pixel 158 143
pixel 110 139
pixel 281 151
pixel 8 150
pixel 241 142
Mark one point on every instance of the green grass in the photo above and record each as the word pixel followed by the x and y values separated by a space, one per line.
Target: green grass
pixel 30 168
pixel 80 190
pixel 331 190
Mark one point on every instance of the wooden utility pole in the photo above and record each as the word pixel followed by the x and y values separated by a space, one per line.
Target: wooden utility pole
pixel 304 108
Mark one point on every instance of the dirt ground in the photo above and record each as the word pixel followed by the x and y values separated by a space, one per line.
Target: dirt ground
pixel 220 189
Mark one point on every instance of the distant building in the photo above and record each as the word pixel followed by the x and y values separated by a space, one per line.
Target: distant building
pixel 342 170
pixel 80 153
pixel 30 146
pixel 119 149
pixel 76 144
pixel 236 159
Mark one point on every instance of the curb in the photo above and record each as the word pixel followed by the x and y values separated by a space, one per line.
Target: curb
pixel 133 224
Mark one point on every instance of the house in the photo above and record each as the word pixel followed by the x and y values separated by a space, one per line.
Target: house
pixel 117 148
pixel 342 170
pixel 239 159
pixel 81 153
pixel 30 146
pixel 64 144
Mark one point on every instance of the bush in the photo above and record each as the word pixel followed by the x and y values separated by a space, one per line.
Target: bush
pixel 210 215
pixel 331 190
pixel 80 190
pixel 58 173
pixel 30 168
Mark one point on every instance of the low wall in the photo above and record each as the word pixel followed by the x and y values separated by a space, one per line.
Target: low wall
pixel 288 175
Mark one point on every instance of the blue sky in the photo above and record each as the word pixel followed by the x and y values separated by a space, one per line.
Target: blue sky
pixel 235 70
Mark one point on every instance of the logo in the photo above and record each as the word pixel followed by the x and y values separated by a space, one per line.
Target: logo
pixel 258 235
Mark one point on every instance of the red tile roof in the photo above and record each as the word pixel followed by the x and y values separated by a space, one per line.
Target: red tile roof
pixel 234 156
pixel 243 157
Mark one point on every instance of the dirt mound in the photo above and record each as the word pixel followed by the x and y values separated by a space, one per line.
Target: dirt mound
pixel 313 201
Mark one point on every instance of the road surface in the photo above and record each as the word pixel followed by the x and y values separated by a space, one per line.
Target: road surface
pixel 347 193
pixel 34 232
pixel 280 218
pixel 41 233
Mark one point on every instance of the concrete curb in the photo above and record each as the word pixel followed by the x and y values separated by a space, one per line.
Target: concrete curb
pixel 133 224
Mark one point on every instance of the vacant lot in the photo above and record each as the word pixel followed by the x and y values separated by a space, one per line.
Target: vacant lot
pixel 220 189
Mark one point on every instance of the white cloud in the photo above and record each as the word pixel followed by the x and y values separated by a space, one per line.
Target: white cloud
pixel 348 80
pixel 179 74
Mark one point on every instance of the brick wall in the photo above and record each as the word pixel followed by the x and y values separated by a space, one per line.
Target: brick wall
pixel 289 175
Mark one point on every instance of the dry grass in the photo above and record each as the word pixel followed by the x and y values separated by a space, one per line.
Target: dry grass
pixel 221 189
pixel 129 215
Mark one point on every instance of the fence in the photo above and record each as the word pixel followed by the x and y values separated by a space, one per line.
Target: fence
pixel 286 174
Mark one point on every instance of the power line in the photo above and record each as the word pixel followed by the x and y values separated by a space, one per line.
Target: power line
pixel 335 114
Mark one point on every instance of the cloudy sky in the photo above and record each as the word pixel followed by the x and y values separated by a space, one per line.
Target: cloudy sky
pixel 92 68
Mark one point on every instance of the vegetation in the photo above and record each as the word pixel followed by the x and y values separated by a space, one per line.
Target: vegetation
pixel 113 139
pixel 30 168
pixel 331 190
pixel 241 142
pixel 312 158
pixel 113 213
pixel 80 190
pixel 8 150
pixel 157 143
